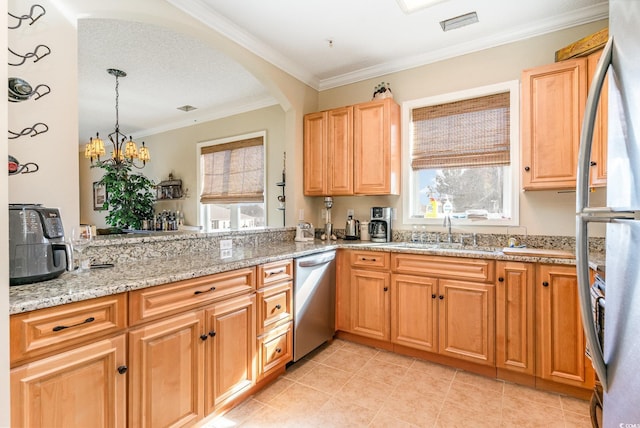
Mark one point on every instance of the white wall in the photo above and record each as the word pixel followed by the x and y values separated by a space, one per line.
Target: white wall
pixel 56 183
pixel 542 212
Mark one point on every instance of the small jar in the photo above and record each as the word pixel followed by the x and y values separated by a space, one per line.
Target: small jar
pixel 364 231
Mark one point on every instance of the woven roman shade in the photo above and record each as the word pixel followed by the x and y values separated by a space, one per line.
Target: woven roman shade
pixel 466 133
pixel 233 172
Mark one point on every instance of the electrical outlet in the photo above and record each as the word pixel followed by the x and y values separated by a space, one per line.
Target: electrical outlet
pixel 226 244
pixel 301 214
pixel 350 212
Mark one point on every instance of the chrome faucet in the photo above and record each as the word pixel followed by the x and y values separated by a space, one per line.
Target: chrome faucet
pixel 447 224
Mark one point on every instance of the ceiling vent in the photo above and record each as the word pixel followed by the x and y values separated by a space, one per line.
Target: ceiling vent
pixel 187 108
pixel 410 6
pixel 459 21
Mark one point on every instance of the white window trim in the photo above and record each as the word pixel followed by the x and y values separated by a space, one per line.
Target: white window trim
pixel 203 218
pixel 513 194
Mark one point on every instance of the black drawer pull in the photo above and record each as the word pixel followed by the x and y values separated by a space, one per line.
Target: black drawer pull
pixel 277 272
pixel 278 350
pixel 278 306
pixel 62 327
pixel 364 259
pixel 206 291
pixel 122 369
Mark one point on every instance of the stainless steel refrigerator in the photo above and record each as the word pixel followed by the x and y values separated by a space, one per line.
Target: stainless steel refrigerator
pixel 618 364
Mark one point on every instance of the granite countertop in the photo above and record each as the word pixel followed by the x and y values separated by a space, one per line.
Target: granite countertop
pixel 123 277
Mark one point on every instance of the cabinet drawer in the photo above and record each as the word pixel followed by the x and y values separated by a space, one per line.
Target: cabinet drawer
pixel 276 349
pixel 370 259
pixel 270 273
pixel 444 267
pixel 46 330
pixel 275 306
pixel 155 302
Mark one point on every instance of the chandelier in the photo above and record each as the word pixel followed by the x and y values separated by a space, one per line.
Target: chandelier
pixel 125 151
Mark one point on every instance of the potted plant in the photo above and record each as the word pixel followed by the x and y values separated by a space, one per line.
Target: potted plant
pixel 130 196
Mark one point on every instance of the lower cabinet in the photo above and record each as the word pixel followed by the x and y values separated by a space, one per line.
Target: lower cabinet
pixel 83 387
pixel 370 304
pixel 186 366
pixel 452 318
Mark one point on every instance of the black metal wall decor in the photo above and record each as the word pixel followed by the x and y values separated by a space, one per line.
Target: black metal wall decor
pixel 36 12
pixel 36 129
pixel 38 53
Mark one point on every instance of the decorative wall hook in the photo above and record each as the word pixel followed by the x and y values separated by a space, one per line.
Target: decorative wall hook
pixel 30 55
pixel 33 130
pixel 36 12
pixel 16 167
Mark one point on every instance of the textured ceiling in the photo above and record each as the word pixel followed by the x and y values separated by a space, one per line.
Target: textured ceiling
pixel 370 38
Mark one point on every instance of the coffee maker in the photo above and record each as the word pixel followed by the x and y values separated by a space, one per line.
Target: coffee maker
pixel 380 224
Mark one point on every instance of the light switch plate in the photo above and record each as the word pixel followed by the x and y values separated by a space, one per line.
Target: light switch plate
pixel 226 244
pixel 350 212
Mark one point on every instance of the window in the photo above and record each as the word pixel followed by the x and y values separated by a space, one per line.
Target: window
pixel 460 157
pixel 231 179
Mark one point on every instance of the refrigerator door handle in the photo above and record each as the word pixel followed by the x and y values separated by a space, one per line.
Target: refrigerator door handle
pixel 583 216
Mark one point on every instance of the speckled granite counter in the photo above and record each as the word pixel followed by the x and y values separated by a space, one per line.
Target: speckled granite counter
pixel 147 272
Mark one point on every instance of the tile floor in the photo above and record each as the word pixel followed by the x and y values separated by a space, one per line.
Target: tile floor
pixel 344 384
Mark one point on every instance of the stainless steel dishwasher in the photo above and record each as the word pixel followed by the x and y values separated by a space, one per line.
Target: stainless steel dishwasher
pixel 314 295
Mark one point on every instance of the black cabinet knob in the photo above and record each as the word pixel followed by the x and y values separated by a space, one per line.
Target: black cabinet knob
pixel 386 288
pixel 593 163
pixel 545 284
pixel 278 350
pixel 526 168
pixel 204 337
pixel 501 279
pixel 278 307
pixel 212 333
pixel 433 296
pixel 122 369
pixel 441 297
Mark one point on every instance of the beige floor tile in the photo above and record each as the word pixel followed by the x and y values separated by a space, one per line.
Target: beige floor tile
pixel 356 348
pixel 347 361
pixel 383 420
pixel 413 407
pixel 300 400
pixel 458 414
pixel 535 395
pixel 299 369
pixel 435 370
pixel 321 353
pixel 267 394
pixel 424 382
pixel 326 379
pixel 365 392
pixel 474 398
pixel 478 381
pixel 522 412
pixel 575 405
pixel 237 415
pixel 576 420
pixel 380 371
pixel 337 413
pixel 397 359
pixel 267 417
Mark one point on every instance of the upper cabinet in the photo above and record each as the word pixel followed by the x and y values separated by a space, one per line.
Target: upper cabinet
pixel 553 102
pixel 353 150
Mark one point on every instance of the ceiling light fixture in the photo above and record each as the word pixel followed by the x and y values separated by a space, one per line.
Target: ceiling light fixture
pixel 410 6
pixel 459 21
pixel 125 152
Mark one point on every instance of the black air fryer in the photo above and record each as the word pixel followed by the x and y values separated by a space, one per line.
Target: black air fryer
pixel 37 251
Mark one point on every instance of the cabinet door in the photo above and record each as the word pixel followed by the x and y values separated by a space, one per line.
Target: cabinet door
pixel 78 388
pixel 340 151
pixel 376 150
pixel 414 308
pixel 315 154
pixel 560 338
pixel 467 321
pixel 167 372
pixel 553 99
pixel 231 350
pixel 515 317
pixel 599 149
pixel 370 304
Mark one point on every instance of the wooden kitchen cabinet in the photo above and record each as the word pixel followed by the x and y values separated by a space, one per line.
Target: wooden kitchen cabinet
pixel 515 306
pixel 167 371
pixel 414 312
pixel 353 150
pixel 230 350
pixel 560 340
pixel 598 175
pixel 467 321
pixel 376 167
pixel 553 100
pixel 370 304
pixel 82 387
